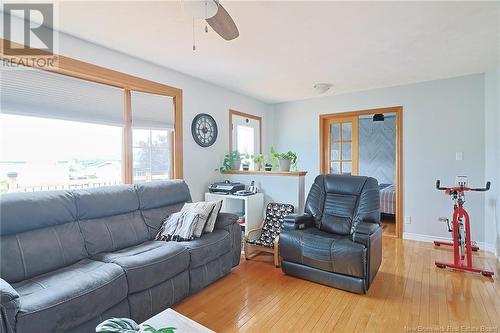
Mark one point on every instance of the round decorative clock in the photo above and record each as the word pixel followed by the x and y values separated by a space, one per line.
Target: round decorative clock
pixel 204 130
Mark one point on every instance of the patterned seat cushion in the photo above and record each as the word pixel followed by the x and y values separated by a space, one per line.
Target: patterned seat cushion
pixel 275 213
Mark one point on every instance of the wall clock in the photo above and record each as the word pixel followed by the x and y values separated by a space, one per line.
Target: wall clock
pixel 204 130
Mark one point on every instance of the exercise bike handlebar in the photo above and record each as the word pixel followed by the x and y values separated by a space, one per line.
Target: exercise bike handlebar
pixel 479 189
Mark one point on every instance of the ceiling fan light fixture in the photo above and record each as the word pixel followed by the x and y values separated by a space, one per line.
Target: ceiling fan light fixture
pixel 322 88
pixel 200 9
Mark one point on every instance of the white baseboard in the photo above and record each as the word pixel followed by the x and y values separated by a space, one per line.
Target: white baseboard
pixel 426 238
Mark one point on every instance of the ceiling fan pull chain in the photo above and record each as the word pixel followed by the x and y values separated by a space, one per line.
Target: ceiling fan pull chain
pixel 206 16
pixel 194 42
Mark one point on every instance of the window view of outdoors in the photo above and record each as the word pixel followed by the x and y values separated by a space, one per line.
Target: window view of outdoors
pixel 245 139
pixel 151 154
pixel 44 154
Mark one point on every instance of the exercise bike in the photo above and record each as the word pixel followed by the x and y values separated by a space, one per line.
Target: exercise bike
pixel 462 245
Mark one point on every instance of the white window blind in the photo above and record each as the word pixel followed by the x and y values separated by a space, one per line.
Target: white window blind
pixel 152 111
pixel 39 93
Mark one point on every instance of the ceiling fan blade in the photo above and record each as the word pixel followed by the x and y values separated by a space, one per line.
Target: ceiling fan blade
pixel 223 24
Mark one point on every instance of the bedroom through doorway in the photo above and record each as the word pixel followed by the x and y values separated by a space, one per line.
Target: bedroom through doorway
pixel 368 143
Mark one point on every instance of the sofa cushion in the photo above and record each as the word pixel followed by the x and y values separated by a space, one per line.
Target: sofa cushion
pixel 208 247
pixel 149 263
pixel 114 233
pixel 20 212
pixel 323 250
pixel 159 199
pixel 162 193
pixel 106 201
pixel 67 297
pixel 32 253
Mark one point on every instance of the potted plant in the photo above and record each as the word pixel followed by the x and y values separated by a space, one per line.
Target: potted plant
pixel 258 161
pixel 285 160
pixel 232 161
pixel 245 162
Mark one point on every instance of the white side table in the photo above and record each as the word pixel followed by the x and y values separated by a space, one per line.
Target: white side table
pixel 250 206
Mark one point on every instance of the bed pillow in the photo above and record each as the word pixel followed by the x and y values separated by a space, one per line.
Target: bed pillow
pixel 204 210
pixel 210 225
pixel 179 227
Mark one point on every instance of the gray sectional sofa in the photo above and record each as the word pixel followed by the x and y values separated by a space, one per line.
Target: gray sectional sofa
pixel 71 259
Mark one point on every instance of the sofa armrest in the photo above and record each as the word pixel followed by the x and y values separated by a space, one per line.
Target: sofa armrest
pixel 297 221
pixel 228 222
pixel 224 220
pixel 9 306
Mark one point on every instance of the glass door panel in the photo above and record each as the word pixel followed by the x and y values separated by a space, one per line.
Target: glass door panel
pixel 343 146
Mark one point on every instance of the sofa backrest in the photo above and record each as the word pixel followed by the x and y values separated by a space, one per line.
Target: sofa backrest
pixel 39 232
pixel 109 218
pixel 157 200
pixel 339 201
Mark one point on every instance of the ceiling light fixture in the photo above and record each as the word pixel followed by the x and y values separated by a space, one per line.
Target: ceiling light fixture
pixel 322 88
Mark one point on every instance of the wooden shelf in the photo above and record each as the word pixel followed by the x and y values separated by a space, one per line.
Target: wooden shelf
pixel 266 173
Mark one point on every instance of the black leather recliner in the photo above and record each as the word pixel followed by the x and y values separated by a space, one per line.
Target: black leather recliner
pixel 338 240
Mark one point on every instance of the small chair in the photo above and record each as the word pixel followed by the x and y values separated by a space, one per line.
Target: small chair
pixel 269 232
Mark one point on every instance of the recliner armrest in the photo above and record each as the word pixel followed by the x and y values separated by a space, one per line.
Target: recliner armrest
pixel 362 231
pixel 297 221
pixel 366 228
pixel 9 306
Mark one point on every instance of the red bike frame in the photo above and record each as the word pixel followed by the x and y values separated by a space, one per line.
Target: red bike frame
pixel 461 261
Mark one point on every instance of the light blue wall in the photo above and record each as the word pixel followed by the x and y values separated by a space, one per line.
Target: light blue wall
pixel 440 118
pixel 492 162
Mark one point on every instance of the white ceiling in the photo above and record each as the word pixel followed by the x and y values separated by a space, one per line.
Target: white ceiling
pixel 286 46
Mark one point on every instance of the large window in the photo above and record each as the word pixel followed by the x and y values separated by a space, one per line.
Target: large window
pixel 47 154
pixel 61 132
pixel 152 125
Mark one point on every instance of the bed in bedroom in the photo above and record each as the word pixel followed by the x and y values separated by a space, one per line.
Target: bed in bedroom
pixel 387 199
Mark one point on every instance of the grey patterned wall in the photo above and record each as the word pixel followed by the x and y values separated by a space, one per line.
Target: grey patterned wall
pixel 377 149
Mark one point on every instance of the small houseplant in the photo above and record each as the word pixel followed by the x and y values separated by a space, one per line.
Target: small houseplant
pixel 285 160
pixel 232 161
pixel 245 162
pixel 258 161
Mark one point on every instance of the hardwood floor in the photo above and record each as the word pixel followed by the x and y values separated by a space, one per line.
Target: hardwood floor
pixel 389 227
pixel 408 292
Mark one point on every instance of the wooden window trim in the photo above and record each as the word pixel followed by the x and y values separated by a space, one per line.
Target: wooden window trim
pixel 245 115
pixel 89 72
pixel 398 110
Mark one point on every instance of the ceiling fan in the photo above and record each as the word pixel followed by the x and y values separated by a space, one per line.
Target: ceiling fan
pixel 214 14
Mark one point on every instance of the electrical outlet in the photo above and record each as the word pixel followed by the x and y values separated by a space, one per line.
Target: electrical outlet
pixel 407 219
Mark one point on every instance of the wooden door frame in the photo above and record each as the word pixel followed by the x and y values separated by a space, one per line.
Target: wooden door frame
pixel 325 155
pixel 245 115
pixel 89 72
pixel 398 110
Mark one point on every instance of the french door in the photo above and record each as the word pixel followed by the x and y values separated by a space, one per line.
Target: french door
pixel 340 138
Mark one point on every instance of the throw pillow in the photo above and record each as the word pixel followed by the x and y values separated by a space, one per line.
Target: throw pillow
pixel 203 209
pixel 209 226
pixel 179 227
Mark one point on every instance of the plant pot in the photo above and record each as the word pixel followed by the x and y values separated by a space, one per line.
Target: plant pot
pixel 285 165
pixel 235 165
pixel 268 167
pixel 246 167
